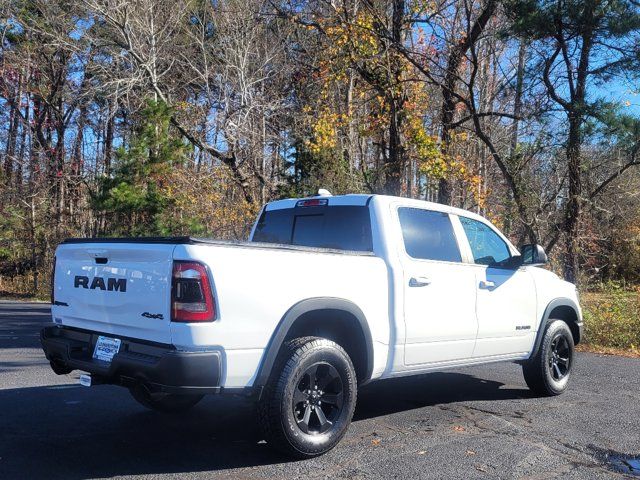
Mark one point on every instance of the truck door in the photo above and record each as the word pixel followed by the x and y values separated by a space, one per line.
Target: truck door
pixel 439 290
pixel 506 301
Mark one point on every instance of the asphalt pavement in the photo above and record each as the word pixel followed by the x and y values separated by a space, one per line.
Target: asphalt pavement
pixel 479 422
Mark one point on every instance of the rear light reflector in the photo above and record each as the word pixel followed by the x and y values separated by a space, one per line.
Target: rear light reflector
pixel 191 293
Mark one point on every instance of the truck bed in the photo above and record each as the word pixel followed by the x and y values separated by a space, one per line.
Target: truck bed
pixel 189 240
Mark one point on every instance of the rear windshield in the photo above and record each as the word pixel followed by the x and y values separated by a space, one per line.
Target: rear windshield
pixel 336 227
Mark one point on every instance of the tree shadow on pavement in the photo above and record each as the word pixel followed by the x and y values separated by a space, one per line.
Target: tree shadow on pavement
pixel 407 393
pixel 72 432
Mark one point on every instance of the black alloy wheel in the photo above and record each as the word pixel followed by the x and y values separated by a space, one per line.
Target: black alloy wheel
pixel 318 398
pixel 559 357
pixel 548 371
pixel 308 403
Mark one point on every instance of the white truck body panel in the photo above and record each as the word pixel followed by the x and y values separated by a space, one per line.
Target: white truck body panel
pixel 445 319
pixel 278 279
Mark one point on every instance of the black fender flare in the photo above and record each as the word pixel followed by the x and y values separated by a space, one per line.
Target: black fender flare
pixel 293 314
pixel 557 302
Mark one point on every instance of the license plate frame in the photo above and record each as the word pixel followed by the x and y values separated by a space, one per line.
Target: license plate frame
pixel 106 348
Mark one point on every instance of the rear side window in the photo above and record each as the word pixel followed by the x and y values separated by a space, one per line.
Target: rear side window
pixel 486 245
pixel 428 235
pixel 338 227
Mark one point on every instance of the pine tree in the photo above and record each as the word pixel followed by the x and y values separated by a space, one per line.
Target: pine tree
pixel 135 193
pixel 581 43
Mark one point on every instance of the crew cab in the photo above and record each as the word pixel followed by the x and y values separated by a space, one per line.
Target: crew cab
pixel 328 293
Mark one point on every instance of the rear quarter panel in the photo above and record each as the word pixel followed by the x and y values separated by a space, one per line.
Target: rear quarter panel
pixel 254 287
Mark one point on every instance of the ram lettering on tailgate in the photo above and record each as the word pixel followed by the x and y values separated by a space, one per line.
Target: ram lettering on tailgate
pixel 111 285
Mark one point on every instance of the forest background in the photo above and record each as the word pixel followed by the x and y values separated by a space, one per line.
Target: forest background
pixel 171 117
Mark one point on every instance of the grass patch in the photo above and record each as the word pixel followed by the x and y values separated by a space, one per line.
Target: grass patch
pixel 612 321
pixel 619 352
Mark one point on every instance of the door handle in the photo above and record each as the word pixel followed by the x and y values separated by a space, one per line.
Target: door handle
pixel 487 284
pixel 420 281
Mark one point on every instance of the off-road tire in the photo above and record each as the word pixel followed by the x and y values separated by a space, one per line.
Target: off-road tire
pixel 164 402
pixel 548 374
pixel 283 425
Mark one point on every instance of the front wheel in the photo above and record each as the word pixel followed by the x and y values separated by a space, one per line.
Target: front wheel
pixel 307 408
pixel 163 402
pixel 548 372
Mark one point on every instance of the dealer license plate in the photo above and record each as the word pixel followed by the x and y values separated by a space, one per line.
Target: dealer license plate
pixel 106 348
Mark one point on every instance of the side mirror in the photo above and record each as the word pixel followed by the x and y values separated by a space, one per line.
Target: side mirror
pixel 532 254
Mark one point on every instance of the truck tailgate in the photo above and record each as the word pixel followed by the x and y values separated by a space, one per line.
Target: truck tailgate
pixel 122 289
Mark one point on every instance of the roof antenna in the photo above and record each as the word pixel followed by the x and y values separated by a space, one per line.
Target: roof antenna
pixel 323 192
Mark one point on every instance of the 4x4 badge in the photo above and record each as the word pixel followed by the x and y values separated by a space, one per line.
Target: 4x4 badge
pixel 159 316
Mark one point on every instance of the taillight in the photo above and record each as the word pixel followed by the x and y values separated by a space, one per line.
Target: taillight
pixel 191 294
pixel 53 279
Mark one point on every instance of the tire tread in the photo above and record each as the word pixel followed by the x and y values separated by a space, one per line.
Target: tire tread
pixel 534 370
pixel 269 414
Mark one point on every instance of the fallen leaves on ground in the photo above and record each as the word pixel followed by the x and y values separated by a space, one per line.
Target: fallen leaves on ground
pixel 618 352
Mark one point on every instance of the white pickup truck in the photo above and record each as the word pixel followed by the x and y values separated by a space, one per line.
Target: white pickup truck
pixel 330 292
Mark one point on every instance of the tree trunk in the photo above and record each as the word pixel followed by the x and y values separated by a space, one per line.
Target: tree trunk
pixel 23 147
pixel 59 180
pixel 449 99
pixel 12 137
pixel 35 143
pixel 447 113
pixel 574 202
pixel 517 102
pixel 77 165
pixel 517 111
pixel 394 161
pixel 34 247
pixel 108 139
pixel 576 114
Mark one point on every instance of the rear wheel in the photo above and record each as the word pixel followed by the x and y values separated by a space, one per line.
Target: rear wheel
pixel 164 402
pixel 549 371
pixel 307 408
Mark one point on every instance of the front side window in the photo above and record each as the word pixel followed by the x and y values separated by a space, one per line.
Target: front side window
pixel 486 245
pixel 428 235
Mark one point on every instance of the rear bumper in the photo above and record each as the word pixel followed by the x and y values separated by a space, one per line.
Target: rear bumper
pixel 161 367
